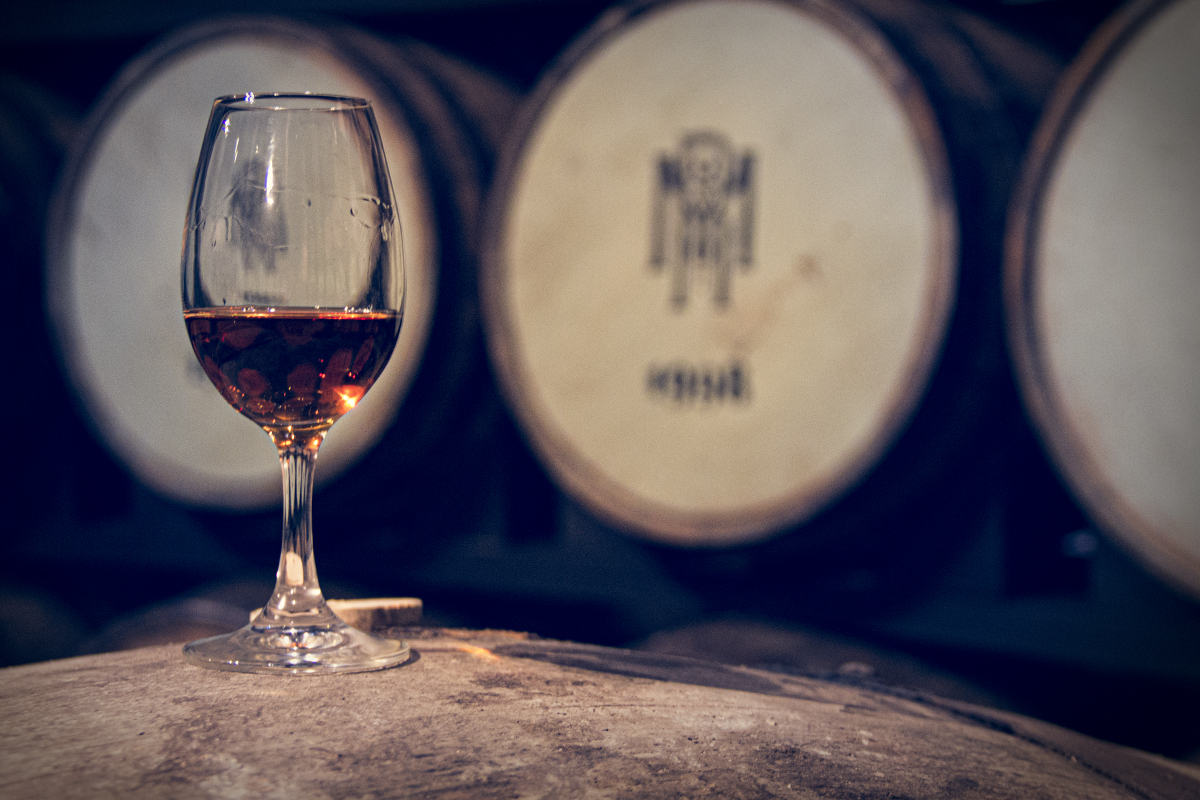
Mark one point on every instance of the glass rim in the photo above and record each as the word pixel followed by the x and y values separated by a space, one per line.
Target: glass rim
pixel 290 101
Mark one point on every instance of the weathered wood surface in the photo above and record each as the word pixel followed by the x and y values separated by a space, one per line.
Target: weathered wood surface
pixel 488 714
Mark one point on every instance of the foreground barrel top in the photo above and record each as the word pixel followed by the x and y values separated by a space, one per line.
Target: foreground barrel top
pixel 1103 283
pixel 494 714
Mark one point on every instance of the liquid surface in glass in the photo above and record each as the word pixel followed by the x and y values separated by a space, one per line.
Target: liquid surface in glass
pixel 292 368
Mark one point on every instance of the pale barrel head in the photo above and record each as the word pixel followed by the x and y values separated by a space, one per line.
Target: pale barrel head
pixel 720 264
pixel 115 248
pixel 1104 283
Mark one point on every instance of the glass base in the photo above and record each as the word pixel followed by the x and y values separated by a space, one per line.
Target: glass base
pixel 296 650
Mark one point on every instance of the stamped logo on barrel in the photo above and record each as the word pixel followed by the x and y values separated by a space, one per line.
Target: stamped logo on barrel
pixel 703 215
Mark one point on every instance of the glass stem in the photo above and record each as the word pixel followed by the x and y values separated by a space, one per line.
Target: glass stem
pixel 297 599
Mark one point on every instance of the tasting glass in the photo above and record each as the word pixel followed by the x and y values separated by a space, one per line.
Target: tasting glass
pixel 293 292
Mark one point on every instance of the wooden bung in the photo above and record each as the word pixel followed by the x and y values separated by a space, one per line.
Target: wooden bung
pixel 373 613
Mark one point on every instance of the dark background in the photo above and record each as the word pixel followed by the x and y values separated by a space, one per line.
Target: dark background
pixel 994 573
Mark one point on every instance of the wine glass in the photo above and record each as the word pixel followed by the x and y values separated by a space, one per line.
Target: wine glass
pixel 293 291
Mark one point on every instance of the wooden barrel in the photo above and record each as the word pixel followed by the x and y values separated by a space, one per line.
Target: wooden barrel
pixel 1103 283
pixel 742 263
pixel 113 238
pixel 488 714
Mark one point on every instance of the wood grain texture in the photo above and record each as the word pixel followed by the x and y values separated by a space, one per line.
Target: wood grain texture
pixel 491 714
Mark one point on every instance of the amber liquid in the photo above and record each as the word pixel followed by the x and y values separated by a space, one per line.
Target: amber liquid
pixel 292 370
